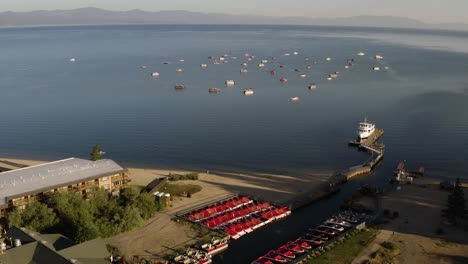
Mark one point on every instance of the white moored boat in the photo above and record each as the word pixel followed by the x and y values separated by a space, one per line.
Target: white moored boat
pixel 295 98
pixel 229 82
pixel 376 68
pixel 378 57
pixel 155 74
pixel 365 129
pixel 361 53
pixel 248 92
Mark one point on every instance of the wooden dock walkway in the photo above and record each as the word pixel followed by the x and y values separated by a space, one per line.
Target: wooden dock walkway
pixel 376 150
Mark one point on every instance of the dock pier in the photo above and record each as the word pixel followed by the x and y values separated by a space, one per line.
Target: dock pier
pixel 377 153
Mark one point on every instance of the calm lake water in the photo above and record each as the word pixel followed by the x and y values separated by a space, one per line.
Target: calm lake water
pixel 51 108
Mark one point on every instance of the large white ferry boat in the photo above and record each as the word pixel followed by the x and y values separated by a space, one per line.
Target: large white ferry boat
pixel 365 129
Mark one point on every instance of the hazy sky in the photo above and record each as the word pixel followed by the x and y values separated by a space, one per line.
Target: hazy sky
pixel 432 11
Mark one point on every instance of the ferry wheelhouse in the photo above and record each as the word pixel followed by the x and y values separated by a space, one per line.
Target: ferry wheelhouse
pixel 365 129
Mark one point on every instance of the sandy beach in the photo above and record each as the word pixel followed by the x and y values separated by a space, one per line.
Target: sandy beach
pixel 415 230
pixel 160 236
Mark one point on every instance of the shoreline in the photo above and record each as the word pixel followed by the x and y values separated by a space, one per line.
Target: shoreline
pixel 274 187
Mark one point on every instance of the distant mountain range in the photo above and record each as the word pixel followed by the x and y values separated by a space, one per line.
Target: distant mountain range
pixel 90 15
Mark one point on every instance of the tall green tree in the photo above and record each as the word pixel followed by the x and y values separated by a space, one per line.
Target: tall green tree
pixel 36 216
pixel 456 204
pixel 96 153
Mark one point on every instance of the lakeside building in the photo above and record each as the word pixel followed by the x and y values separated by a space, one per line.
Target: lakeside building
pixel 22 186
pixel 23 246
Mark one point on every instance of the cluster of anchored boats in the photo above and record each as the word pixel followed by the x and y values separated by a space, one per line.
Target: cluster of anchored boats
pixel 238 216
pixel 313 239
pixel 203 254
pixel 262 63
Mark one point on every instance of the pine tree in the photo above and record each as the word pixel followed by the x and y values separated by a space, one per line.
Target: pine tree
pixel 96 153
pixel 456 204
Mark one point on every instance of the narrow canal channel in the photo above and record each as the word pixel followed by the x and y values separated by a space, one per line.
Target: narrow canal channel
pixel 258 243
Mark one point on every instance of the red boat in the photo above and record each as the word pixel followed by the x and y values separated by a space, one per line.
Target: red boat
pixel 285 253
pixel 283 80
pixel 302 243
pixel 272 255
pixel 262 260
pixel 294 248
pixel 273 72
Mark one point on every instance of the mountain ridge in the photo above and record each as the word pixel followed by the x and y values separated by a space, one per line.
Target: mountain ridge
pixel 94 16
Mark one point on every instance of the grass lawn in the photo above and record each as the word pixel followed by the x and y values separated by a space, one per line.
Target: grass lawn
pixel 176 189
pixel 347 250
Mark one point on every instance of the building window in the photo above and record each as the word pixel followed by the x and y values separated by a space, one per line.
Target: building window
pixel 116 183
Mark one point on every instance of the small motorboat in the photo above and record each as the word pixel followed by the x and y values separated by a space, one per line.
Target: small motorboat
pixel 283 80
pixel 181 60
pixel 328 59
pixel 303 75
pixel 294 99
pixel 360 53
pixel 244 71
pixel 261 65
pixel 264 61
pixel 313 240
pixel 72 59
pixel 179 70
pixel 297 70
pixel 309 67
pixel 143 66
pixel 338 221
pixel 272 255
pixel 229 82
pixel 272 72
pixel 295 53
pixel 378 57
pixel 248 92
pixel 263 260
pixel 221 58
pixel 329 78
pixel 285 253
pixel 333 226
pixel 214 90
pixel 166 62
pixel 179 86
pixel 312 86
pixel 317 235
pixel 155 74
pixel 303 244
pixel 333 75
pixel 376 68
pixel 294 248
pixel 325 230
pixel 203 65
pixel 244 64
pixel 287 54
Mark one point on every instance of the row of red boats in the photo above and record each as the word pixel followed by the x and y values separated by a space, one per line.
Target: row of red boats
pixel 218 208
pixel 251 222
pixel 314 238
pixel 238 216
